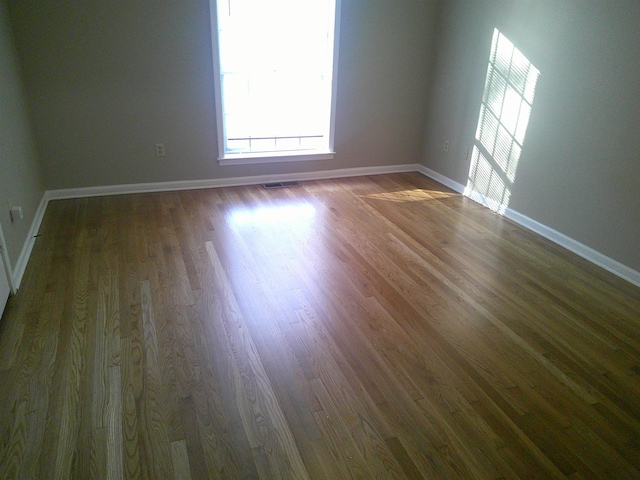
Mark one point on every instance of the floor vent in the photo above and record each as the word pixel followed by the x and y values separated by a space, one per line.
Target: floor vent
pixel 281 184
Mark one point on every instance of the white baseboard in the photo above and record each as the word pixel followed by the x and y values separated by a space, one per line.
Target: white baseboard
pixel 588 253
pixel 576 247
pixel 570 244
pixel 225 182
pixel 6 265
pixel 25 254
pixel 446 181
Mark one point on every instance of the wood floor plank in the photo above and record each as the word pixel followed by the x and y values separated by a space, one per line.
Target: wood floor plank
pixel 155 429
pixel 365 327
pixel 251 379
pixel 130 376
pixel 115 439
pixel 180 459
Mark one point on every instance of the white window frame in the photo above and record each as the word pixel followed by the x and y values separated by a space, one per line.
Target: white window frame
pixel 270 157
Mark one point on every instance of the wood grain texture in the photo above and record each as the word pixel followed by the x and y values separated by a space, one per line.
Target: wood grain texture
pixel 373 327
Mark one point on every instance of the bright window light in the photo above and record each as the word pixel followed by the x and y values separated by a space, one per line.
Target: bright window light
pixel 504 117
pixel 275 77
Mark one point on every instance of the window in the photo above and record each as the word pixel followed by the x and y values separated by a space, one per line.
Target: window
pixel 504 117
pixel 275 79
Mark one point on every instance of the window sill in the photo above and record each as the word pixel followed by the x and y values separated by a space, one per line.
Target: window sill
pixel 276 157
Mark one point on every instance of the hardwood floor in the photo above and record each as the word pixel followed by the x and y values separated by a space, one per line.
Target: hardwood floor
pixel 373 327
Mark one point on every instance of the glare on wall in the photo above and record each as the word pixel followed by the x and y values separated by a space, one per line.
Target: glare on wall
pixel 502 124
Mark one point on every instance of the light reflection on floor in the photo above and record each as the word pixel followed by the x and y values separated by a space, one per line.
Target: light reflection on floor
pixel 415 195
pixel 296 214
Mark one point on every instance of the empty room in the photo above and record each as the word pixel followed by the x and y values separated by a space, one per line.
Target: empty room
pixel 320 239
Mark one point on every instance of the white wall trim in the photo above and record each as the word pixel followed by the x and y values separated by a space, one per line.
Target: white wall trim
pixel 570 244
pixel 576 247
pixel 25 254
pixel 588 253
pixel 277 157
pixel 446 181
pixel 225 182
pixel 6 263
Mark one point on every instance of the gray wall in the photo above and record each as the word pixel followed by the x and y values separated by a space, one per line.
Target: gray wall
pixel 109 79
pixel 20 180
pixel 579 172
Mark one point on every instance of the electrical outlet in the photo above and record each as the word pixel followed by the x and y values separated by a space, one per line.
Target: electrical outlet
pixel 446 145
pixel 160 150
pixel 16 214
